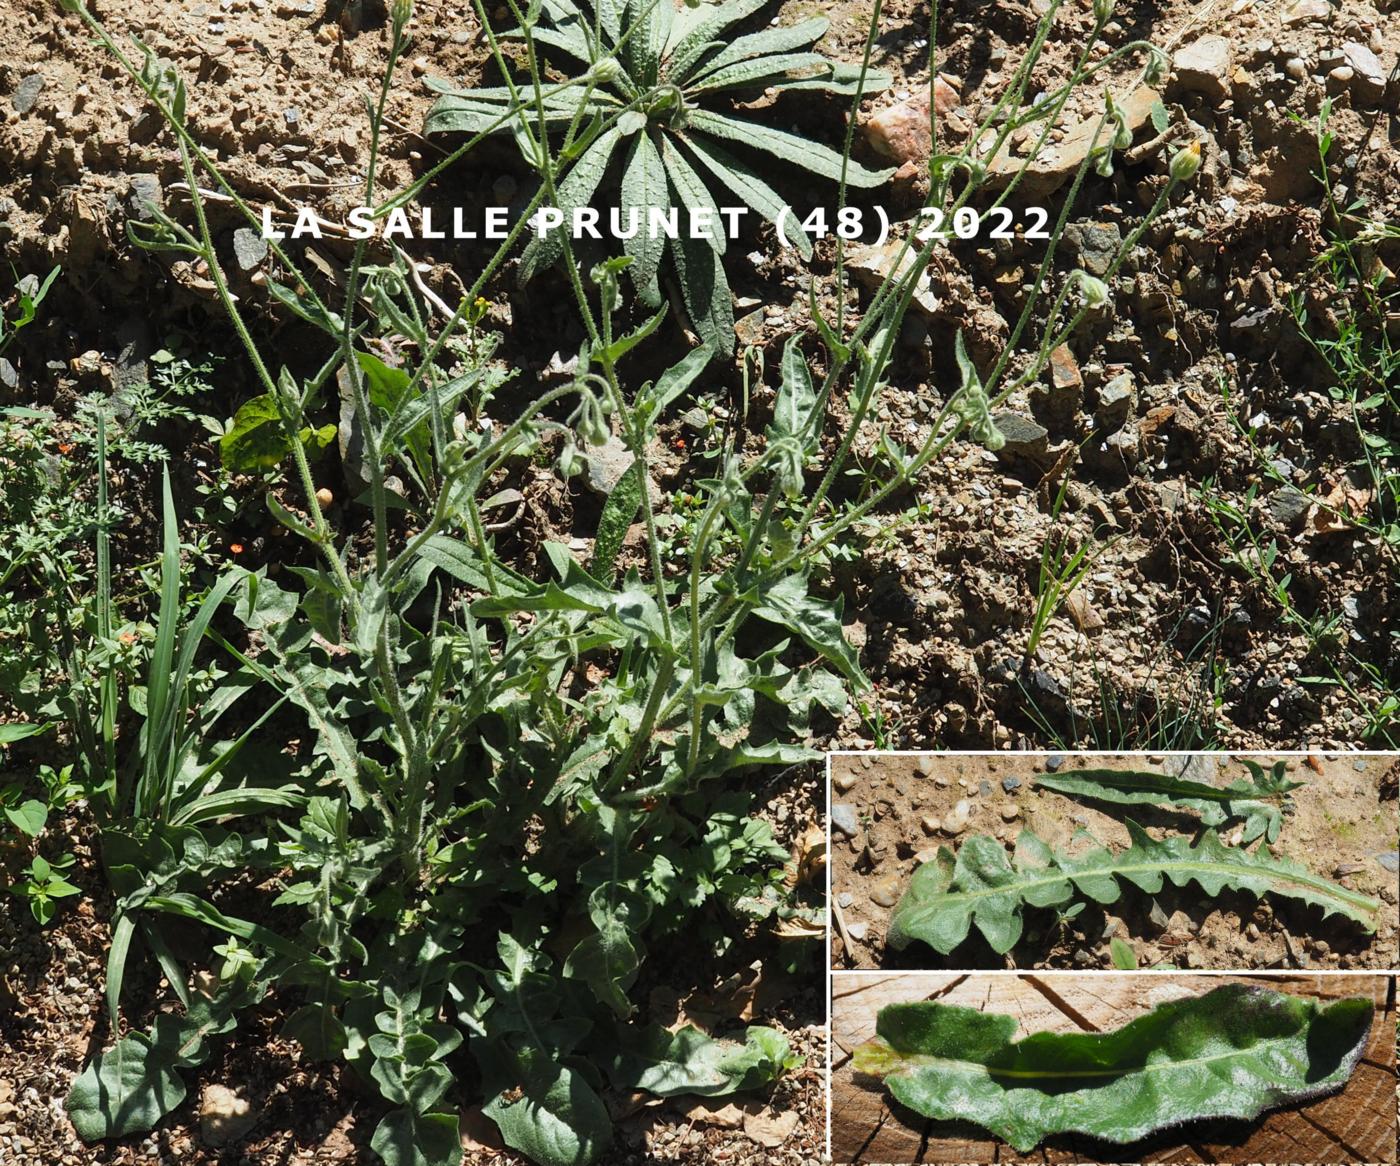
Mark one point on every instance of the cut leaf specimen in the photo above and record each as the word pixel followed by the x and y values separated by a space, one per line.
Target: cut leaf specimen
pixel 1234 1052
pixel 1258 800
pixel 983 886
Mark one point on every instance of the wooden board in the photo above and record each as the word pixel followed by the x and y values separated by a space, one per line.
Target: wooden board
pixel 868 1127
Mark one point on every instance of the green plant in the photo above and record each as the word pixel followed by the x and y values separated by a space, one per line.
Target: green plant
pixel 43 883
pixel 1260 799
pixel 1159 1070
pixel 507 786
pixel 981 885
pixel 650 72
pixel 1367 684
pixel 29 294
pixel 1122 955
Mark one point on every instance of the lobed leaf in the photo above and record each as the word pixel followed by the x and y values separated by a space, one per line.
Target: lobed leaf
pixel 1234 1052
pixel 1257 802
pixel 982 886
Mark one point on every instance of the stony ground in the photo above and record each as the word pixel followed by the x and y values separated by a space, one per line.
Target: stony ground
pixel 892 813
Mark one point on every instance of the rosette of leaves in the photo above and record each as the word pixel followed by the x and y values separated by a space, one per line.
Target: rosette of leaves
pixel 651 92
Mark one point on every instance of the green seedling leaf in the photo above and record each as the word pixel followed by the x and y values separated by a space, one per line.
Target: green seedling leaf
pixel 257 440
pixel 29 817
pixel 1258 802
pixel 687 1061
pixel 9 734
pixel 1237 1052
pixel 983 886
pixel 131 1086
pixel 553 1117
pixel 405 1138
pixel 1123 956
pixel 618 512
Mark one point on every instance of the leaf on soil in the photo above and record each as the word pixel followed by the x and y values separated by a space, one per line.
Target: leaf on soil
pixel 1257 801
pixel 983 886
pixel 1235 1052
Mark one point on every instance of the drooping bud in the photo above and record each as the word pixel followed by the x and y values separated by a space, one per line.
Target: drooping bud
pixel 1096 293
pixel 1103 11
pixel 1185 163
pixel 1155 71
pixel 605 72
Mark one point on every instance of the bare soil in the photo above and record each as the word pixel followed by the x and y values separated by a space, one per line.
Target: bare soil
pixel 1340 825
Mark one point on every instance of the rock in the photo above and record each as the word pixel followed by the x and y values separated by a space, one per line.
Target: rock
pixel 1093 245
pixel 1368 75
pixel 857 930
pixel 1306 10
pixel 885 893
pixel 1117 402
pixel 1339 79
pixel 1157 917
pixel 874 266
pixel 901 131
pixel 1288 507
pixel 930 824
pixel 843 819
pixel 1054 762
pixel 1009 811
pixel 224 1117
pixel 843 783
pixel 249 248
pixel 144 192
pixel 924 765
pixel 9 375
pixel 1010 784
pixel 956 822
pixel 1025 438
pixel 1389 860
pixel 770 1129
pixel 1204 67
pixel 26 93
pixel 1296 67
pixel 1062 401
pixel 1055 163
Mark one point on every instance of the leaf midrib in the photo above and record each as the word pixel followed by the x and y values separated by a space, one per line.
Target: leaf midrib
pixel 927 1060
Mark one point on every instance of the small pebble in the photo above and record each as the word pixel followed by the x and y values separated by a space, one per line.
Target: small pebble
pixel 1010 811
pixel 930 824
pixel 843 818
pixel 924 765
pixel 1054 762
pixel 1390 860
pixel 857 930
pixel 1010 784
pixel 956 822
pixel 885 893
pixel 1252 933
pixel 845 899
pixel 843 783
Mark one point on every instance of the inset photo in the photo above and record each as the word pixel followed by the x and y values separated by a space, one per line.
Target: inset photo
pixel 963 861
pixel 937 1067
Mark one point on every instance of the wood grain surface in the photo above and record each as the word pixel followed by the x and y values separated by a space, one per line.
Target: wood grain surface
pixel 868 1127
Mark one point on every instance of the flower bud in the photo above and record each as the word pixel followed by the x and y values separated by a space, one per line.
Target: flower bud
pixel 1095 290
pixel 570 463
pixel 1155 71
pixel 1103 11
pixel 605 72
pixel 401 13
pixel 1185 163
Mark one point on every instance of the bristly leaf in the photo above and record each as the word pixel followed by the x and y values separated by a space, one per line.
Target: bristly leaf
pixel 1235 1052
pixel 983 886
pixel 1259 802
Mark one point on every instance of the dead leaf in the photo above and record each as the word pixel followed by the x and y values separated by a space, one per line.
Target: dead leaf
pixel 808 862
pixel 770 1129
pixel 1083 612
pixel 725 1115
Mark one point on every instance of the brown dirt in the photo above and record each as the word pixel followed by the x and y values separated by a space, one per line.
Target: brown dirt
pixel 1338 826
